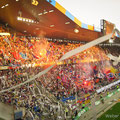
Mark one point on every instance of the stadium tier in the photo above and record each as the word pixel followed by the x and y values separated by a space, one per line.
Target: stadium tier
pixel 51 64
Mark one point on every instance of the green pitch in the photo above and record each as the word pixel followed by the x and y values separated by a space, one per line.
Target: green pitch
pixel 112 114
pixel 2 119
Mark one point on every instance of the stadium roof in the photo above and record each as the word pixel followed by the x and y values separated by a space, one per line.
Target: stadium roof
pixel 44 17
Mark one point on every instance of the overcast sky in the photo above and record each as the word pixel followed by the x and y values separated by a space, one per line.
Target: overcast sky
pixel 92 11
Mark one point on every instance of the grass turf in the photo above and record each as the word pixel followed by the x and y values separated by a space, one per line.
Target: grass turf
pixel 112 114
pixel 2 119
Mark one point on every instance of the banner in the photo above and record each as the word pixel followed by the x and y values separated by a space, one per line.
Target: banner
pixel 69 98
pixel 81 112
pixel 108 86
pixel 4 67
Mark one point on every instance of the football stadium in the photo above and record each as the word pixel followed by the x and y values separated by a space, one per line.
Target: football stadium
pixel 55 67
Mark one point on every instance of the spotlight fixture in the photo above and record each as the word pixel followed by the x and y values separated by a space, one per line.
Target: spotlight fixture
pixel 45 12
pixel 51 11
pixel 26 20
pixel 76 30
pixel 67 23
pixel 40 14
pixel 5 6
pixel 52 25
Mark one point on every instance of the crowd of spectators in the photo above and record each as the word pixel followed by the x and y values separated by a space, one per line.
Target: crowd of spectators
pixel 25 57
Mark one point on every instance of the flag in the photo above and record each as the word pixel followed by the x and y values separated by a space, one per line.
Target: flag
pixel 30 45
pixel 113 70
pixel 110 76
pixel 6 40
pixel 34 56
pixel 16 55
pixel 24 56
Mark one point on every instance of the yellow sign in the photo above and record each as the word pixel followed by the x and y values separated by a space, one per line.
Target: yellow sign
pixel 35 2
